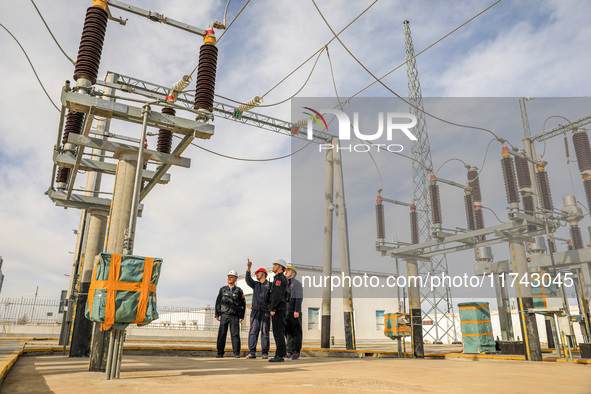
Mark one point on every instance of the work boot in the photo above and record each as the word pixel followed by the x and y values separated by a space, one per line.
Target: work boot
pixel 295 356
pixel 265 356
pixel 250 355
pixel 276 360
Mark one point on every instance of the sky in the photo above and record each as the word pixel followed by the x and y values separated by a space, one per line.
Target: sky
pixel 213 216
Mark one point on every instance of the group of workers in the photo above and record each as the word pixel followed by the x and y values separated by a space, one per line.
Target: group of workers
pixel 278 301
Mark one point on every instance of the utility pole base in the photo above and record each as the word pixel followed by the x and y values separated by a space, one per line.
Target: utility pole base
pixel 82 332
pixel 100 347
pixel 417 333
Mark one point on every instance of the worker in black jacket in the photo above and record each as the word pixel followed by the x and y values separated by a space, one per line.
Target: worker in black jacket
pixel 260 318
pixel 293 319
pixel 278 307
pixel 230 307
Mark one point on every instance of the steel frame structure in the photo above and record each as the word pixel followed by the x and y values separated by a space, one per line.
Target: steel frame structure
pixel 421 171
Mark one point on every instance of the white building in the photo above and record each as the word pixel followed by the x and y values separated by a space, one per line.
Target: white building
pixel 369 304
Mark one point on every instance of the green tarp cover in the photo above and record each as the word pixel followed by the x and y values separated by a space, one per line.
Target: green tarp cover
pixel 477 334
pixel 544 289
pixel 126 301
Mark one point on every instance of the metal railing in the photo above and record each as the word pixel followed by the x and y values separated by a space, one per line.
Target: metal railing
pixel 41 311
pixel 184 318
pixel 30 311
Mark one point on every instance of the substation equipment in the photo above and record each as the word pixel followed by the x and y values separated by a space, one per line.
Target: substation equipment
pixel 85 143
pixel 528 232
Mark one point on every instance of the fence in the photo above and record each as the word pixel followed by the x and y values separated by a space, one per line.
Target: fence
pixel 30 311
pixel 40 311
pixel 185 318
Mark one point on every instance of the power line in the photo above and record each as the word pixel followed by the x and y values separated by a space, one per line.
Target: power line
pixel 427 48
pixel 225 30
pixel 544 128
pixel 396 94
pixel 305 61
pixel 52 36
pixel 287 99
pixel 233 20
pixel 447 161
pixel 244 159
pixel 334 83
pixel 31 64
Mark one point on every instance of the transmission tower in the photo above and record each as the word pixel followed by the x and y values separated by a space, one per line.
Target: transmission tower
pixel 437 303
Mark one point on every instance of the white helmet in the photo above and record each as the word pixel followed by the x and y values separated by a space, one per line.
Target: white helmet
pixel 233 272
pixel 281 262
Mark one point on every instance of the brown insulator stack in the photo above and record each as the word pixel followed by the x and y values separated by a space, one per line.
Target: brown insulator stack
pixel 91 44
pixel 435 201
pixel 74 121
pixel 469 204
pixel 577 239
pixel 509 176
pixel 206 73
pixel 583 152
pixel 414 225
pixel 87 66
pixel 524 180
pixel 544 187
pixel 380 222
pixel 165 136
pixel 474 183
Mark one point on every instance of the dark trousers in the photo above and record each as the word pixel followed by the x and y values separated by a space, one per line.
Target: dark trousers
pixel 293 333
pixel 259 322
pixel 278 320
pixel 234 323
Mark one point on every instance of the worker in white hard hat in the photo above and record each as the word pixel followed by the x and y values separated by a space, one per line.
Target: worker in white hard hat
pixel 230 307
pixel 277 299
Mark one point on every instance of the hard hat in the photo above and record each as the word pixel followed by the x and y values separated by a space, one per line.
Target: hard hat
pixel 291 267
pixel 280 262
pixel 233 272
pixel 261 270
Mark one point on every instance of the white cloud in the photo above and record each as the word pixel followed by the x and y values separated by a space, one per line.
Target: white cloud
pixel 213 216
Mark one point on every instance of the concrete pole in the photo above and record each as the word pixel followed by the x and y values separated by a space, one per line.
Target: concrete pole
pixel 122 202
pixel 584 283
pixel 118 224
pixel 526 302
pixel 344 248
pixel 67 318
pixel 504 308
pixel 327 266
pixel 82 330
pixel 414 298
pixel 530 150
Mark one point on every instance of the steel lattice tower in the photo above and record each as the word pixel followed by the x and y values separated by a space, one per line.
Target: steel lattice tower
pixel 437 304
